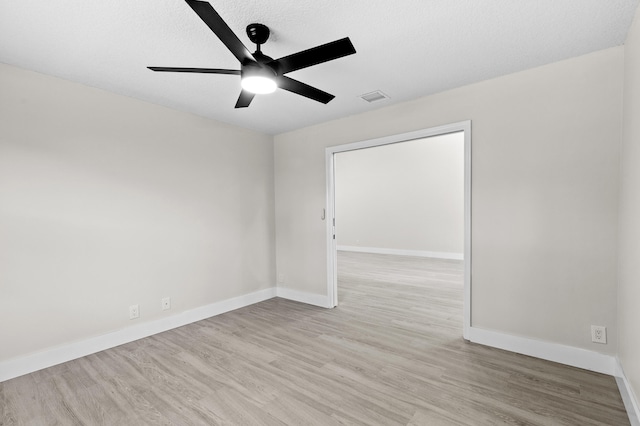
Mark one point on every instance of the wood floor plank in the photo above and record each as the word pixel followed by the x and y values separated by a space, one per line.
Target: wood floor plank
pixel 391 353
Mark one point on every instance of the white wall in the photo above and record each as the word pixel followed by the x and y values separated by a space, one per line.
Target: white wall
pixel 629 280
pixel 406 196
pixel 544 194
pixel 106 201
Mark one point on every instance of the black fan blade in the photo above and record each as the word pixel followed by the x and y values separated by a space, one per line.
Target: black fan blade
pixel 316 55
pixel 305 90
pixel 245 99
pixel 207 13
pixel 196 70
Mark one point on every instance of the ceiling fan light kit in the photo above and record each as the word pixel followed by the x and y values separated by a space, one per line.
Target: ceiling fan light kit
pixel 261 74
pixel 258 80
pixel 259 85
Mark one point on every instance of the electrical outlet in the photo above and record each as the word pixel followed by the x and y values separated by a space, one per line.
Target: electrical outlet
pixel 134 312
pixel 166 303
pixel 598 334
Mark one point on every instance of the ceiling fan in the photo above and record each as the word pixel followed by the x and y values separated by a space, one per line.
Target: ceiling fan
pixel 261 74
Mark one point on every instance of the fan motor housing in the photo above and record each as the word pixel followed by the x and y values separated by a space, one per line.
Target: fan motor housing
pixel 255 68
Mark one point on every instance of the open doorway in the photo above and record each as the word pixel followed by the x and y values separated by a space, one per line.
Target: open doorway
pixel 441 241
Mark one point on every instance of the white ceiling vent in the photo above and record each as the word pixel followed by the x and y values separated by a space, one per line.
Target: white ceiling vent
pixel 374 96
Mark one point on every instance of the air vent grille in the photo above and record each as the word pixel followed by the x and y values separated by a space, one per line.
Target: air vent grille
pixel 374 96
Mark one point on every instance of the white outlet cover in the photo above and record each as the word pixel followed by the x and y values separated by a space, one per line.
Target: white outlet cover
pixel 166 303
pixel 598 334
pixel 134 312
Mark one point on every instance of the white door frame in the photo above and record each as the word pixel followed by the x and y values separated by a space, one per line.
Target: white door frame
pixel 332 264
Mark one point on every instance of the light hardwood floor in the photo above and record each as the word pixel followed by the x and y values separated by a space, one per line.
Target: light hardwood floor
pixel 390 354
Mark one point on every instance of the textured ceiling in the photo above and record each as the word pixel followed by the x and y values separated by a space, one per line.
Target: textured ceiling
pixel 405 48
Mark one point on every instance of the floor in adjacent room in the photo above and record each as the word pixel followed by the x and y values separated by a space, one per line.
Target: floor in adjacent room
pixel 391 353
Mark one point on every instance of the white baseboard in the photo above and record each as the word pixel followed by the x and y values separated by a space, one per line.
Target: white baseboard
pixel 304 297
pixel 57 355
pixel 568 355
pixel 628 396
pixel 399 252
pixel 576 357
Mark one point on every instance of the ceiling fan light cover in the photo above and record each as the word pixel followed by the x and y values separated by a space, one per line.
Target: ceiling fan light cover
pixel 259 84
